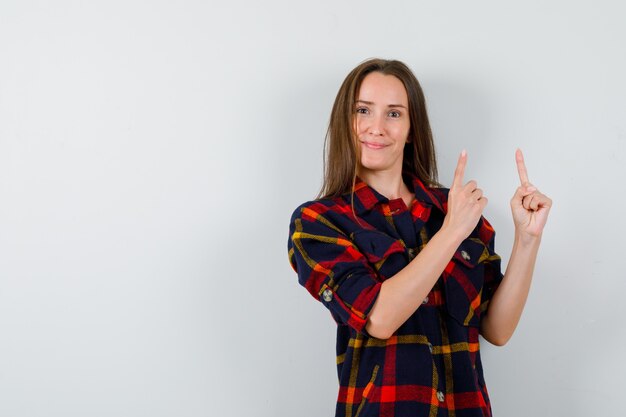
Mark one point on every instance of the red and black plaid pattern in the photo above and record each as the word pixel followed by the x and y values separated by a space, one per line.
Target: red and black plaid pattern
pixel 431 366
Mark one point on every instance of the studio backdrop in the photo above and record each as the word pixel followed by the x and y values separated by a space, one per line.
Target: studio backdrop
pixel 152 152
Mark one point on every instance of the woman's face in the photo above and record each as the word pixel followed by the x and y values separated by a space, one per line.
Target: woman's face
pixel 382 122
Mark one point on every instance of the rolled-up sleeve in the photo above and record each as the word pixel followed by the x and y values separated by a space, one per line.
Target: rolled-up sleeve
pixel 493 273
pixel 331 267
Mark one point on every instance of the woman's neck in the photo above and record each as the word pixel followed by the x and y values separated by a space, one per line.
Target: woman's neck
pixel 388 183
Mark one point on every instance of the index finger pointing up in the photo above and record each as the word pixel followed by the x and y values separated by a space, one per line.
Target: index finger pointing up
pixel 459 172
pixel 521 167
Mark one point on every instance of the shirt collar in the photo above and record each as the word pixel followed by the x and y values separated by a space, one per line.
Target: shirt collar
pixel 369 197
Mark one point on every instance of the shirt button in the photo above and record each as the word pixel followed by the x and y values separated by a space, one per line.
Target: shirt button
pixel 425 300
pixel 411 254
pixel 440 396
pixel 465 255
pixel 327 294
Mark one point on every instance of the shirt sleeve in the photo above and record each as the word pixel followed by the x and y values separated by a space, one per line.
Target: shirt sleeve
pixel 493 273
pixel 331 268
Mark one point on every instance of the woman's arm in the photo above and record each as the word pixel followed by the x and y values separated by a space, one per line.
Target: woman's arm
pixel 507 303
pixel 530 211
pixel 402 294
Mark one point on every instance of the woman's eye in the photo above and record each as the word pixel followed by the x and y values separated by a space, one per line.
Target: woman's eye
pixel 394 114
pixel 361 110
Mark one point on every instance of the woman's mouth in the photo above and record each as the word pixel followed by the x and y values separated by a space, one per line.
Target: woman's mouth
pixel 373 145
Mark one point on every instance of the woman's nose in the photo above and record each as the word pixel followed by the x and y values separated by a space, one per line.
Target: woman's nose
pixel 377 126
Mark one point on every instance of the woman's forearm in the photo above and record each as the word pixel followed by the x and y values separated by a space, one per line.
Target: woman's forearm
pixel 402 294
pixel 507 303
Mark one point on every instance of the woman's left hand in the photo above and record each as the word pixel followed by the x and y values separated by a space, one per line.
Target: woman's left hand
pixel 530 208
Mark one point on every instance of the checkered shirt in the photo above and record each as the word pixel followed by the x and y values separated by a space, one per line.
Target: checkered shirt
pixel 431 365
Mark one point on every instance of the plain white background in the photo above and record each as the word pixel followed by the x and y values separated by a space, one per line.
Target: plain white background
pixel 151 154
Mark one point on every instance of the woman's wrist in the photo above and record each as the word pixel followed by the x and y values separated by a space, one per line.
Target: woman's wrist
pixel 453 237
pixel 524 239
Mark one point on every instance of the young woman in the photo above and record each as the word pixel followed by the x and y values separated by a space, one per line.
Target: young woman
pixel 407 268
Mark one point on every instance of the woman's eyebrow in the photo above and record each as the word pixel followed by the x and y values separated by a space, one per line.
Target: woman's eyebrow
pixel 389 105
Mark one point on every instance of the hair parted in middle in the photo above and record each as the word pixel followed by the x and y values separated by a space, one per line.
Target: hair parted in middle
pixel 341 153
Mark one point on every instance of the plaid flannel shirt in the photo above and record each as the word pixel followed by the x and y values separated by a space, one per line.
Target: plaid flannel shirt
pixel 431 365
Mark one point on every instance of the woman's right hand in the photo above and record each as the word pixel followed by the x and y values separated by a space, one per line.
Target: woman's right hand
pixel 465 204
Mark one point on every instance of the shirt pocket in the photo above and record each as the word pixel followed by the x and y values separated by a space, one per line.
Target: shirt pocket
pixel 385 253
pixel 464 280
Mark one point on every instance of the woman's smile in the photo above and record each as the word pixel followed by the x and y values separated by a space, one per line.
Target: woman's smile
pixel 374 145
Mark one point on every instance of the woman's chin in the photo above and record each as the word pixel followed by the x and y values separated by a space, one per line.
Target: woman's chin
pixel 369 168
pixel 370 165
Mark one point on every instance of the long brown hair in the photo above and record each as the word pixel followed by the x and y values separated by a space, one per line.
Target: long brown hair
pixel 341 154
